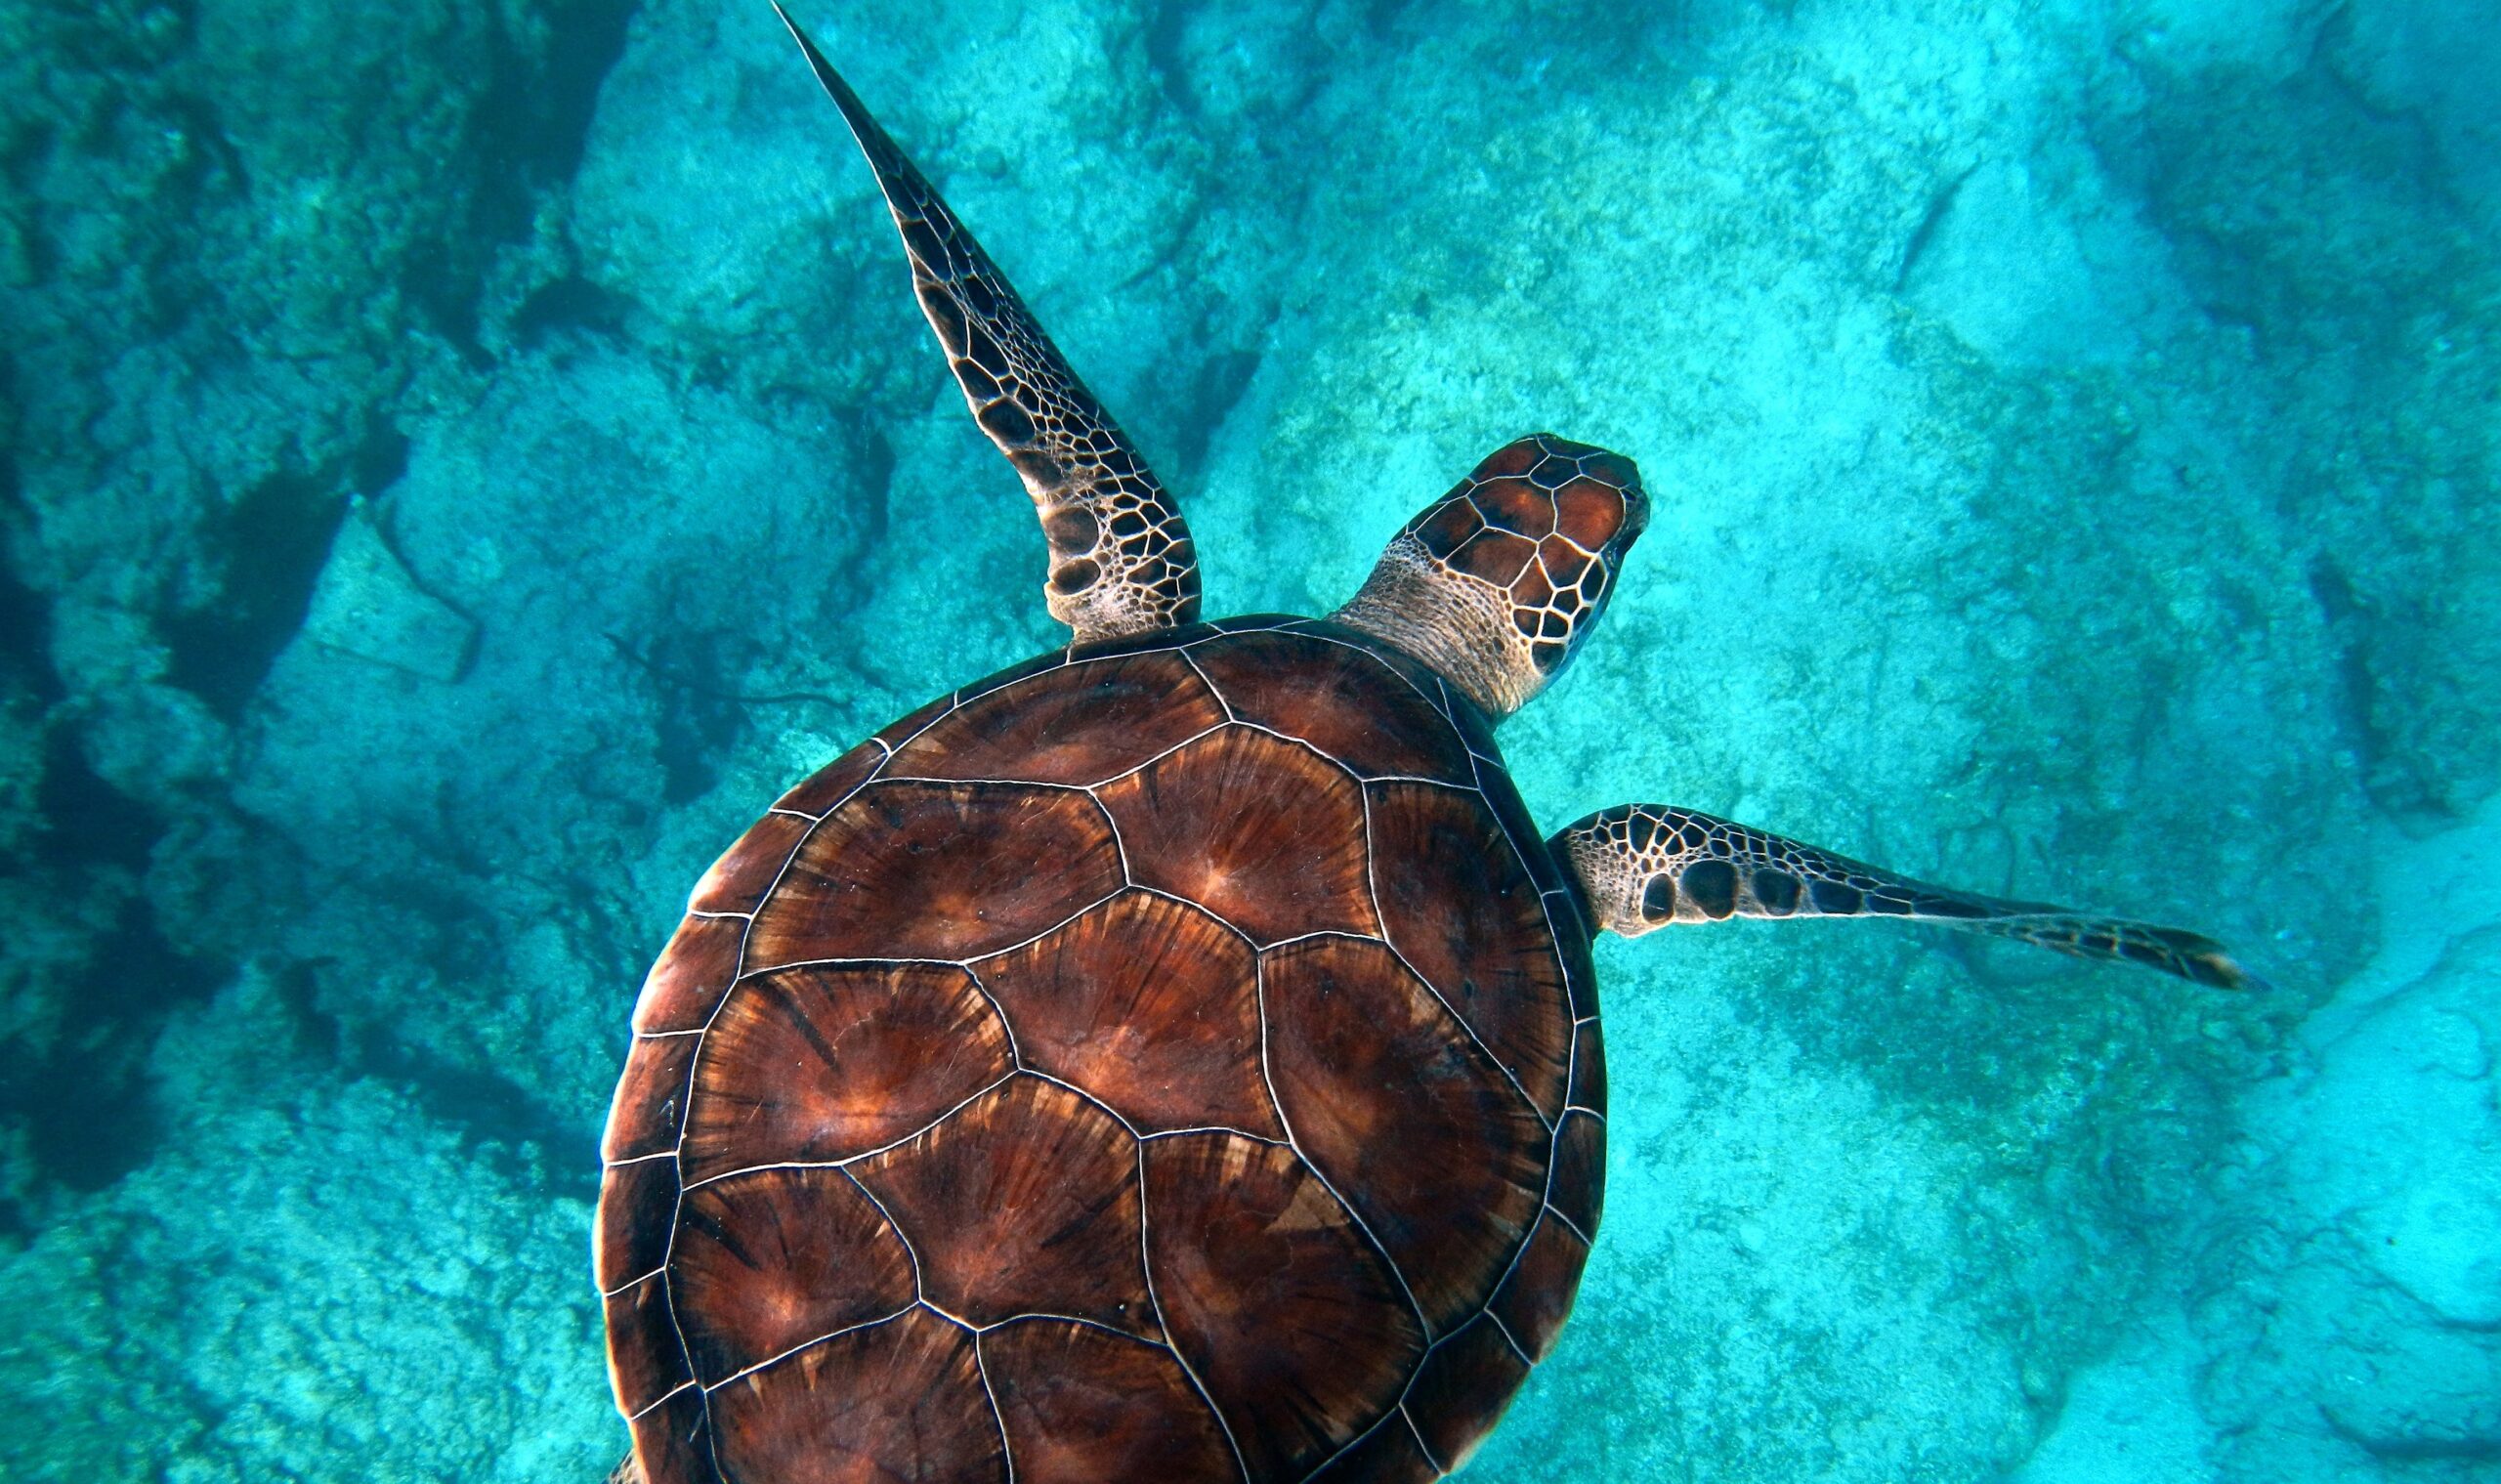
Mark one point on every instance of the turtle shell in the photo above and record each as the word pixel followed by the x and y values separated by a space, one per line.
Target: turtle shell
pixel 1172 1059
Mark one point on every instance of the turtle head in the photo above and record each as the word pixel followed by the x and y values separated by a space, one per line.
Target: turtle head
pixel 1495 583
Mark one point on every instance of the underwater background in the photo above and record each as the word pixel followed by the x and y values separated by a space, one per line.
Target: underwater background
pixel 460 459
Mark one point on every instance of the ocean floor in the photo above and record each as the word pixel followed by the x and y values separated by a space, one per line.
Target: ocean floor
pixel 459 462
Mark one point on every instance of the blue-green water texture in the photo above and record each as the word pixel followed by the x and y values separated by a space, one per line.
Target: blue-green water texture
pixel 460 461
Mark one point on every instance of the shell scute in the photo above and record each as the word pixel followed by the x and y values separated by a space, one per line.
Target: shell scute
pixel 1079 723
pixel 1147 1003
pixel 1589 1068
pixel 645 1359
pixel 686 984
pixel 1513 460
pixel 673 1440
pixel 1410 1123
pixel 1462 1389
pixel 746 870
pixel 1579 1192
pixel 1389 1454
pixel 1024 1201
pixel 1476 930
pixel 1344 701
pixel 650 1106
pixel 910 725
pixel 637 1214
pixel 1080 1405
pixel 1127 644
pixel 769 1260
pixel 1249 623
pixel 1533 1301
pixel 1295 1326
pixel 936 870
pixel 1196 1044
pixel 1265 834
pixel 897 1400
pixel 824 1063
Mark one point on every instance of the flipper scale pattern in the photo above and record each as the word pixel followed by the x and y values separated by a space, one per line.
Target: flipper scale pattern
pixel 1122 559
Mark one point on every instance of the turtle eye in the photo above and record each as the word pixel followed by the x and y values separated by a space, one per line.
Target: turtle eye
pixel 1659 898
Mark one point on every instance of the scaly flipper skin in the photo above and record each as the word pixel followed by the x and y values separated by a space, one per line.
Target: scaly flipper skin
pixel 1122 559
pixel 1642 867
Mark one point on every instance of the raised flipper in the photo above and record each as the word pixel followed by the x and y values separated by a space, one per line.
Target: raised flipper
pixel 1122 560
pixel 1642 867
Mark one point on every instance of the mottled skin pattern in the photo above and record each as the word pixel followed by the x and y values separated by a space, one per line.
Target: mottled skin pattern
pixel 1644 866
pixel 1177 1057
pixel 1496 584
pixel 1122 560
pixel 1172 1059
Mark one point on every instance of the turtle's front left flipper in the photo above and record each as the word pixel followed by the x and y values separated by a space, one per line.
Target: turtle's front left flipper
pixel 1642 867
pixel 1122 560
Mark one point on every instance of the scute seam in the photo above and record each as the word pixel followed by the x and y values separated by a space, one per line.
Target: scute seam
pixel 1423 1326
pixel 773 1360
pixel 1146 1265
pixel 1007 1450
pixel 1434 990
pixel 1438 700
pixel 847 1160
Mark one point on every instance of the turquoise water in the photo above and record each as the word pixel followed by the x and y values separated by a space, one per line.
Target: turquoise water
pixel 458 463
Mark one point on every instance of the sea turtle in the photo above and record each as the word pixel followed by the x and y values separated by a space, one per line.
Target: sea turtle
pixel 1175 1057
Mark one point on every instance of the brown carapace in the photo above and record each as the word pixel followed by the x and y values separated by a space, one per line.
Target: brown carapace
pixel 1175 1058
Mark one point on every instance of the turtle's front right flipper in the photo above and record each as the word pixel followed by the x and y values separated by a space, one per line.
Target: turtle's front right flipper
pixel 1122 560
pixel 1642 867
